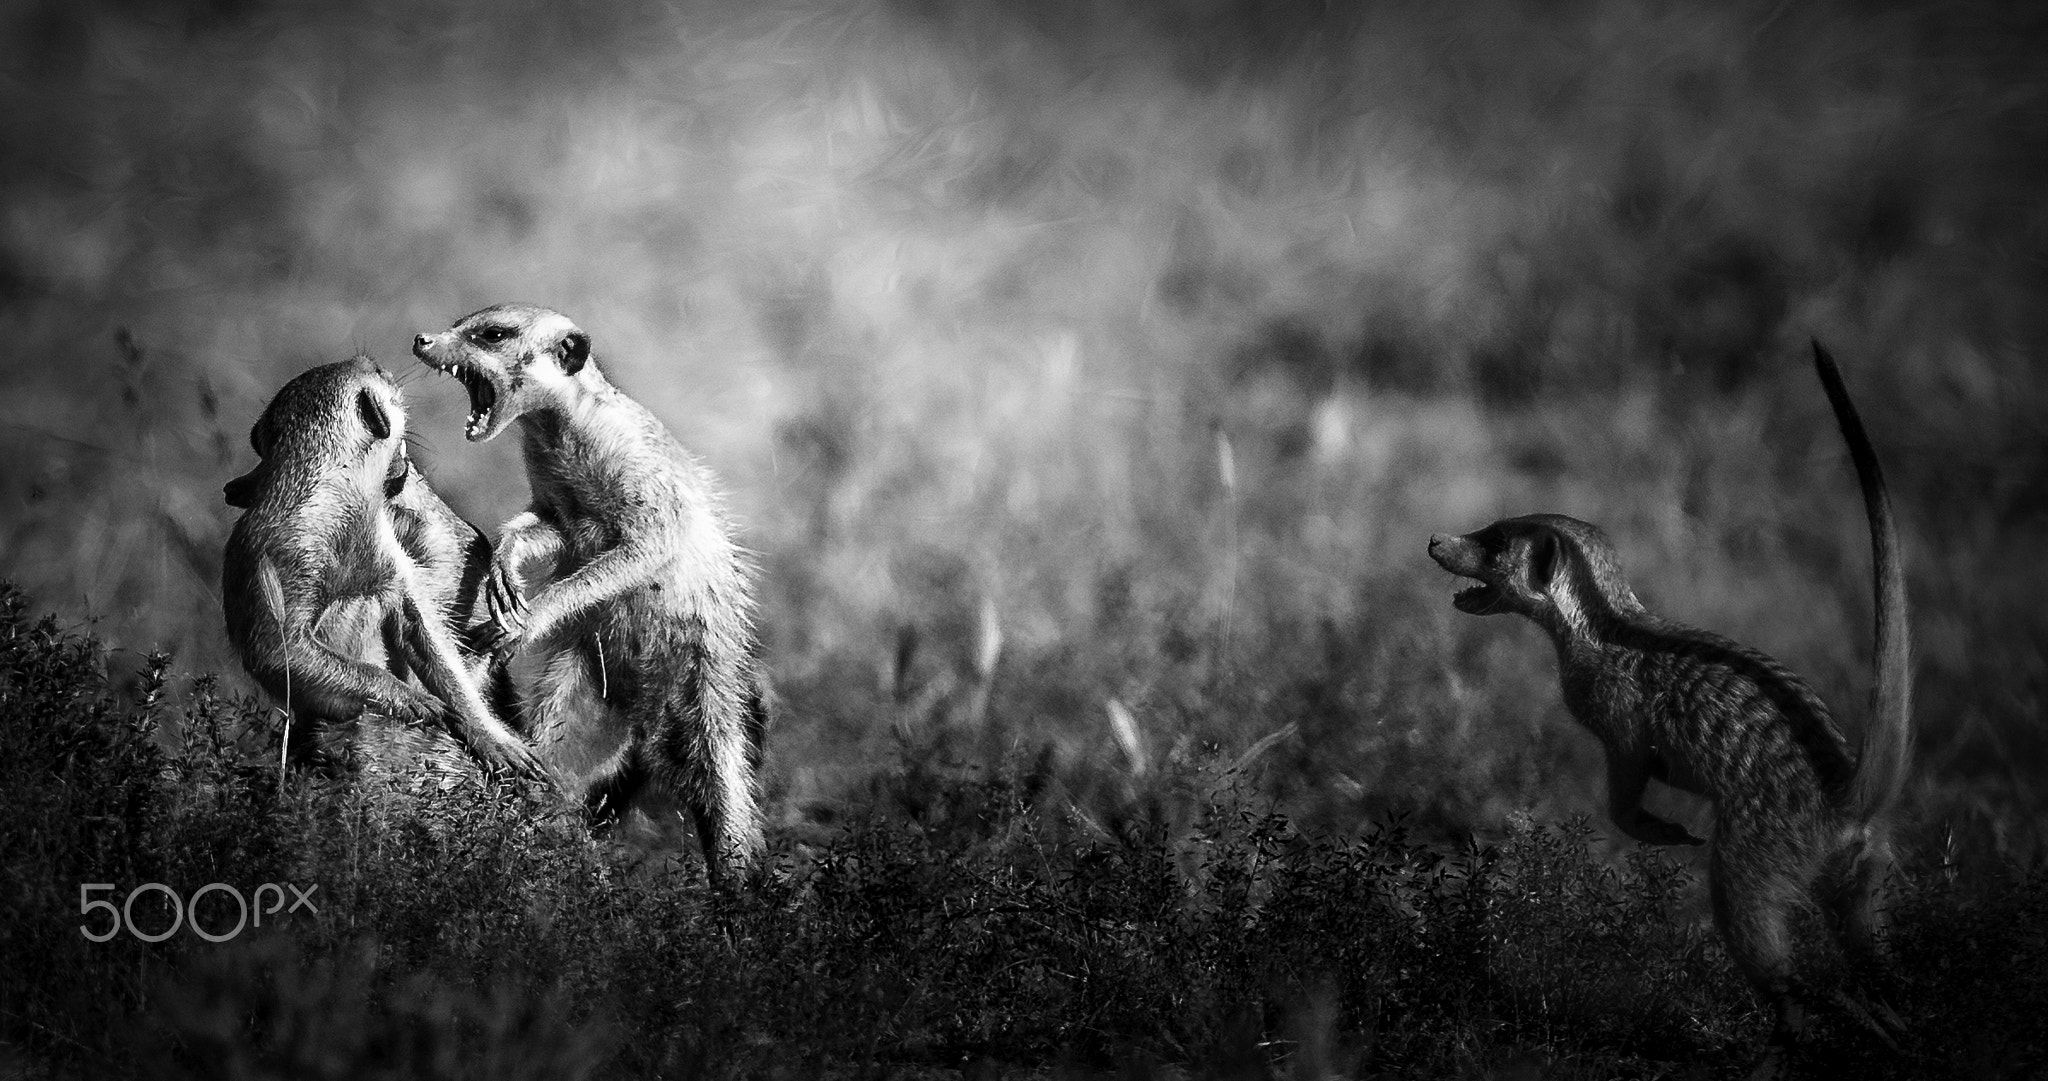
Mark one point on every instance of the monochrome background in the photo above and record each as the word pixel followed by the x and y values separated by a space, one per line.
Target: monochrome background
pixel 1088 377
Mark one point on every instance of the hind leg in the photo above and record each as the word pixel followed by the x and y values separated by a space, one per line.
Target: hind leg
pixel 1753 898
pixel 612 794
pixel 723 806
pixel 1851 896
pixel 705 753
pixel 584 737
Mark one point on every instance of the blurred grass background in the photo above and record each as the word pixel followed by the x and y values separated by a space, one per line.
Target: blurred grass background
pixel 1089 376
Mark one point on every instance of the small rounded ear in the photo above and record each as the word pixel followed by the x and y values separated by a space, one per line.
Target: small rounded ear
pixel 372 412
pixel 574 349
pixel 1542 560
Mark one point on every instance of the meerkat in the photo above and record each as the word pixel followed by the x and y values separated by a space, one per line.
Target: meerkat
pixel 1798 815
pixel 344 551
pixel 648 614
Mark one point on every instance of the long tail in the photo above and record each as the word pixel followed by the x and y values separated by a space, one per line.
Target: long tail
pixel 1888 736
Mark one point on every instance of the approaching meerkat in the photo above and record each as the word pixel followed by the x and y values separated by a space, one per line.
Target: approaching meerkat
pixel 1797 815
pixel 649 613
pixel 342 549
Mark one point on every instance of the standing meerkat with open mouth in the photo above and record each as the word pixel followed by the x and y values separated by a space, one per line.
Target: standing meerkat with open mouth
pixel 343 551
pixel 649 613
pixel 1798 816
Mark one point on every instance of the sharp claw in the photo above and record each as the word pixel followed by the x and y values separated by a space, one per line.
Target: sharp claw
pixel 521 762
pixel 498 636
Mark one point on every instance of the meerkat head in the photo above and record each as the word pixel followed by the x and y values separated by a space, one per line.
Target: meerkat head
pixel 512 358
pixel 348 416
pixel 1556 570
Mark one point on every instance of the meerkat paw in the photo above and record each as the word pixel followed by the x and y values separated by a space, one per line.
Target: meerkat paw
pixel 1650 829
pixel 517 759
pixel 406 704
pixel 505 603
pixel 1682 836
pixel 505 593
pixel 500 635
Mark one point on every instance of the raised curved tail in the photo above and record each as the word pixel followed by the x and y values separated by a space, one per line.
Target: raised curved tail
pixel 1887 749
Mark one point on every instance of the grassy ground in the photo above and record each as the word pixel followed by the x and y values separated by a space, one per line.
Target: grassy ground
pixel 1090 376
pixel 976 925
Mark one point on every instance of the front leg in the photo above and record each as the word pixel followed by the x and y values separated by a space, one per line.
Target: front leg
pixel 600 582
pixel 326 684
pixel 442 670
pixel 285 654
pixel 1628 776
pixel 431 647
pixel 523 539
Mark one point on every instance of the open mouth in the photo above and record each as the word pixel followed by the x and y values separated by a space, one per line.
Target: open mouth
pixel 1477 599
pixel 483 397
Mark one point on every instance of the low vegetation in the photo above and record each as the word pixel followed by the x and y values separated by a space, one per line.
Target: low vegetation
pixel 1004 923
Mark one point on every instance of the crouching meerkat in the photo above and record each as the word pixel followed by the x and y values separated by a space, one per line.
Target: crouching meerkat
pixel 647 621
pixel 1798 815
pixel 342 553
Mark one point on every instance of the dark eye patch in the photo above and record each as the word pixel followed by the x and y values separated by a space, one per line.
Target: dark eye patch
pixel 491 334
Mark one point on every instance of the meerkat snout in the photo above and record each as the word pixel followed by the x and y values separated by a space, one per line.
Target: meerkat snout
pixel 512 359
